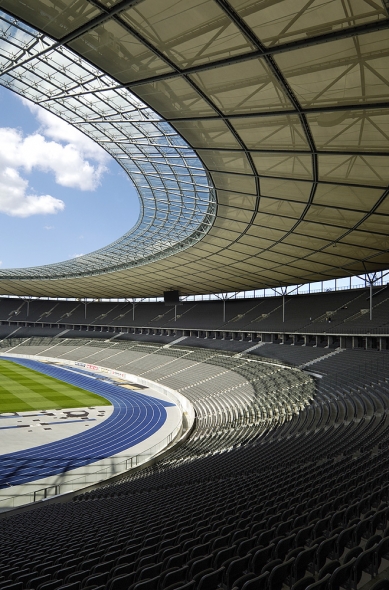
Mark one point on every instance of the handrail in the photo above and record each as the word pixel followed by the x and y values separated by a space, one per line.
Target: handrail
pixel 117 465
pixel 110 466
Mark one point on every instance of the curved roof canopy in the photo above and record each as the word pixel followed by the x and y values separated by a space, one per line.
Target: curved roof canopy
pixel 256 132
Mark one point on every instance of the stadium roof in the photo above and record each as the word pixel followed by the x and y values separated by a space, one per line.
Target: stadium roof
pixel 256 132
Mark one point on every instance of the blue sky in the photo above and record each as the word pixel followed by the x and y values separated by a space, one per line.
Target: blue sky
pixel 60 194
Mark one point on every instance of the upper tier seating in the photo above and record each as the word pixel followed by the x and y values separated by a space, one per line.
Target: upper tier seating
pixel 338 311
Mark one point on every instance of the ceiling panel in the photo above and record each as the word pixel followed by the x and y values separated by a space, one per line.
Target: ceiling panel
pixel 282 132
pixel 248 87
pixel 283 165
pixel 188 32
pixel 356 131
pixel 53 17
pixel 281 21
pixel 116 51
pixel 353 70
pixel 207 134
pixel 174 97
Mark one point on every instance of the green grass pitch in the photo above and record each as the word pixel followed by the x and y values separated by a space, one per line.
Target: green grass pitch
pixel 24 390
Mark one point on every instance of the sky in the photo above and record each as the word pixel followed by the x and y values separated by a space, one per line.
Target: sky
pixel 61 195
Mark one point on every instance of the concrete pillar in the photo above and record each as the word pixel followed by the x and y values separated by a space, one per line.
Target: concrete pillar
pixel 354 342
pixel 294 339
pixel 330 340
pixel 306 338
pixel 224 335
pixel 343 342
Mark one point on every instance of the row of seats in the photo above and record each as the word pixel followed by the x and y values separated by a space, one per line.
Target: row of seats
pixel 346 310
pixel 299 500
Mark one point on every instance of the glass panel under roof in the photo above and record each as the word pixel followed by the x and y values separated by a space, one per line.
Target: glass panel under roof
pixel 320 230
pixel 112 48
pixel 333 216
pixel 265 233
pixel 280 207
pixel 283 165
pixel 364 170
pixel 111 3
pixel 364 130
pixel 24 43
pixel 384 207
pixel 243 88
pixel 202 134
pixel 347 71
pixel 226 161
pixel 235 213
pixel 173 98
pixel 286 189
pixel 367 239
pixel 241 201
pixel 354 250
pixel 188 32
pixel 53 17
pixel 235 183
pixel 275 221
pixel 282 132
pixel 376 224
pixel 308 242
pixel 282 21
pixel 350 197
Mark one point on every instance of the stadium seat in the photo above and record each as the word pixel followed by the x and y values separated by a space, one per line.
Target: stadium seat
pixel 257 583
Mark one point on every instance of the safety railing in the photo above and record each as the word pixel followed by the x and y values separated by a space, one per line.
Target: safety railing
pixel 68 481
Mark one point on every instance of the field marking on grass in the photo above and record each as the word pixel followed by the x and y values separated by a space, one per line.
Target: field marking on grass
pixel 22 388
pixel 26 382
pixel 21 392
pixel 28 378
pixel 134 419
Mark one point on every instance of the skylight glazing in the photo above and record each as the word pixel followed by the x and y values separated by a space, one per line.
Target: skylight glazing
pixel 178 203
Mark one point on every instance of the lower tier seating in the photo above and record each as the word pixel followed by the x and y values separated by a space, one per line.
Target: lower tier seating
pixel 256 498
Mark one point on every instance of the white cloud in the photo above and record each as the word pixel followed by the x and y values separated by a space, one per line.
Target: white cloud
pixel 76 255
pixel 48 227
pixel 14 199
pixel 59 130
pixel 57 148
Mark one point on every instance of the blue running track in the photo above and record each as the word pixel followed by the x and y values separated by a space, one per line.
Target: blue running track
pixel 135 417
